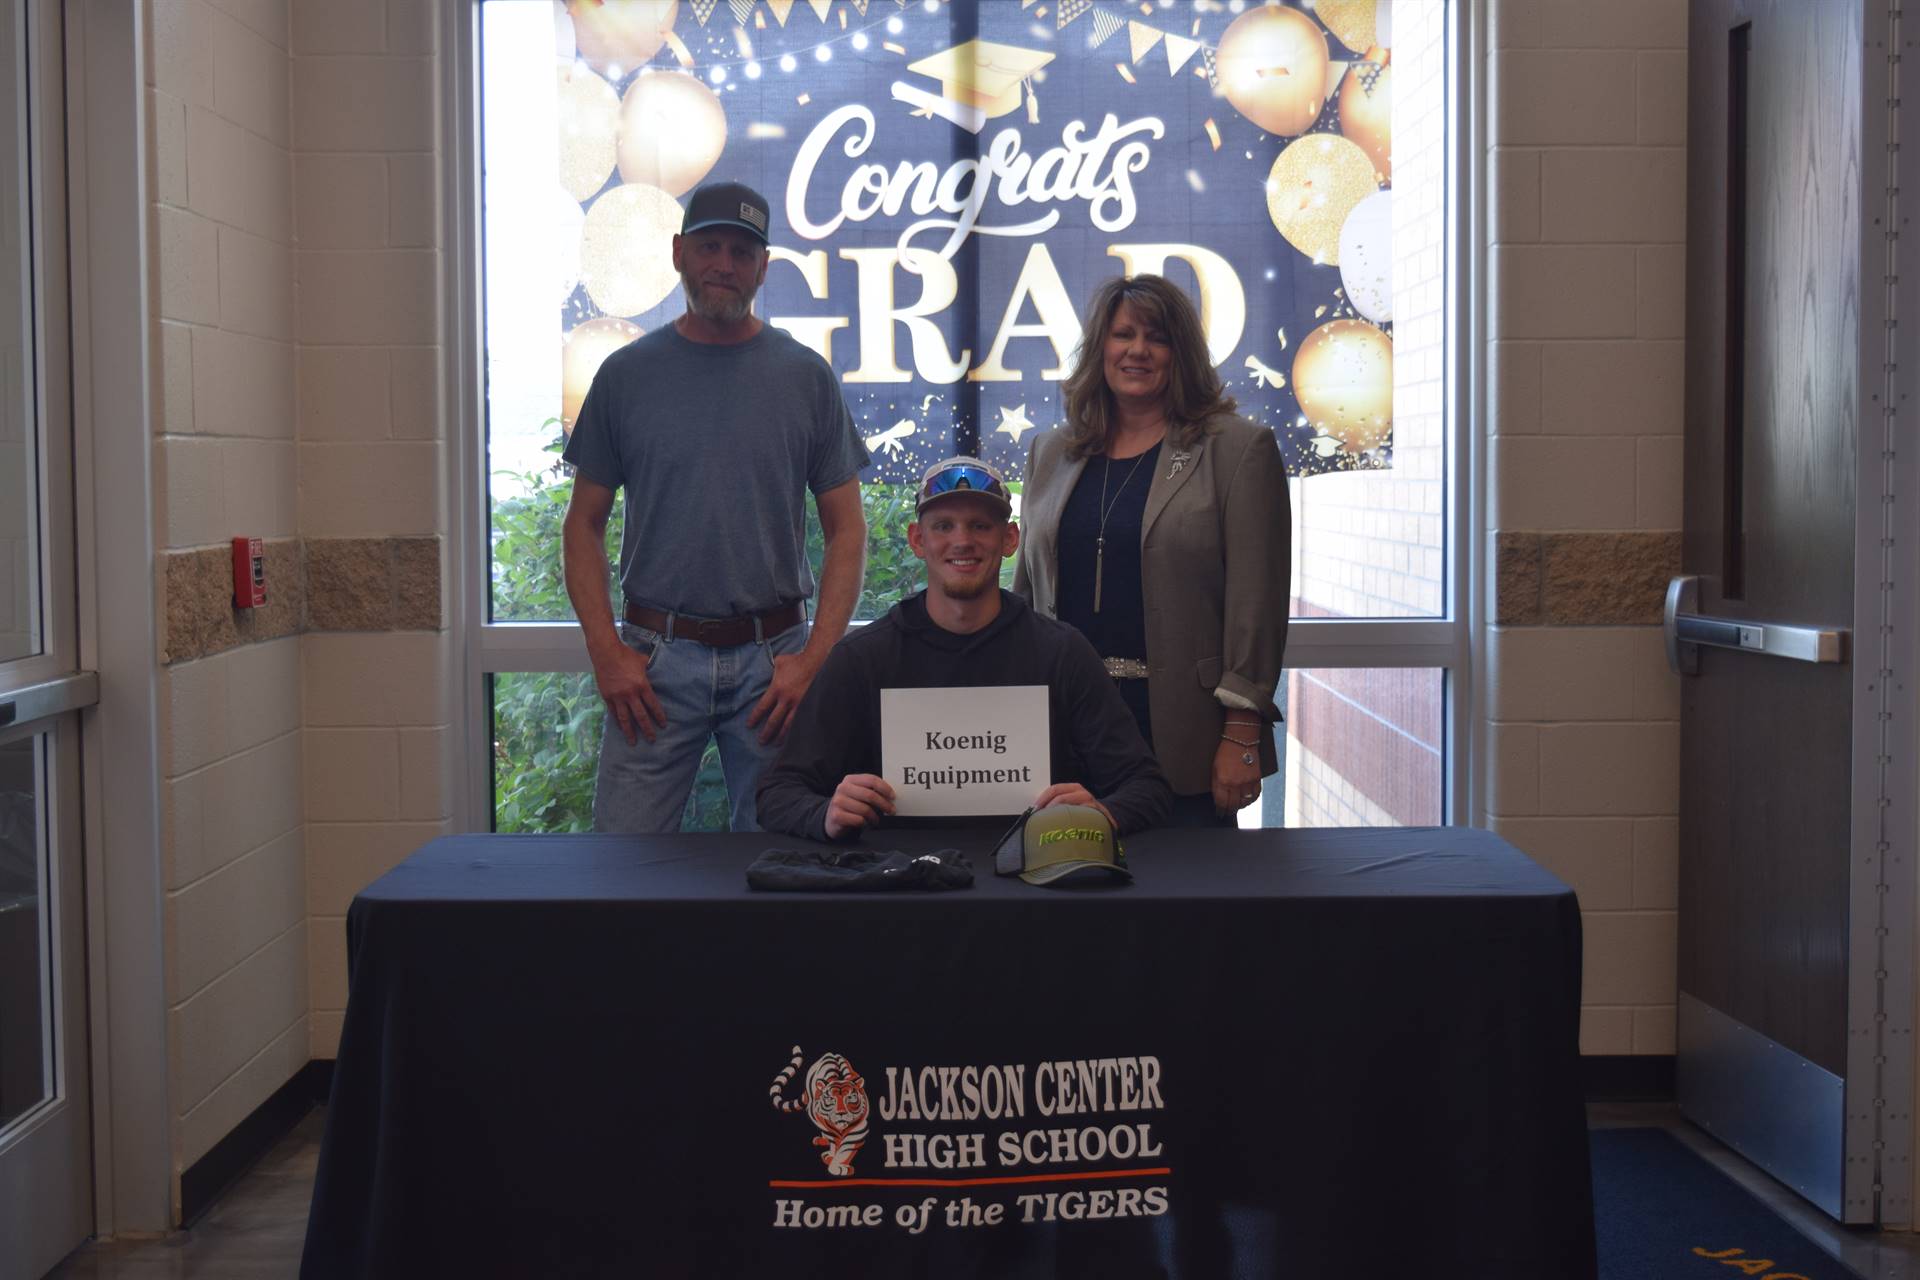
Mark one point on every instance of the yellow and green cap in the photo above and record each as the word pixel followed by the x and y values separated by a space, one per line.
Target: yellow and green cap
pixel 1045 845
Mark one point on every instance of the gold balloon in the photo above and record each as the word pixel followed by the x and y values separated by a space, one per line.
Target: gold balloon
pixel 589 122
pixel 582 353
pixel 1366 114
pixel 1351 20
pixel 1272 64
pixel 626 249
pixel 1343 379
pixel 1311 189
pixel 672 129
pixel 615 36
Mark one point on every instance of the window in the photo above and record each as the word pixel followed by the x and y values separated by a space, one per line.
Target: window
pixel 950 181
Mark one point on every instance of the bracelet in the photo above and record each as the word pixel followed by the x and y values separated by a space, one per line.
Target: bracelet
pixel 1239 742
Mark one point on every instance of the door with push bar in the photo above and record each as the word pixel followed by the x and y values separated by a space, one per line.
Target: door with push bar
pixel 1789 624
pixel 46 1110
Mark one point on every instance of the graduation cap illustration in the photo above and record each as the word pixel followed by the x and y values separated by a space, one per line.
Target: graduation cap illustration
pixel 979 81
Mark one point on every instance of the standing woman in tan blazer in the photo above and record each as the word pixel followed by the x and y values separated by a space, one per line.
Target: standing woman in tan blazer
pixel 1156 521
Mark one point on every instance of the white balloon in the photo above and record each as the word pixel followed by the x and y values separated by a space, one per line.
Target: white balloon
pixel 1366 257
pixel 569 220
pixel 1383 23
pixel 563 42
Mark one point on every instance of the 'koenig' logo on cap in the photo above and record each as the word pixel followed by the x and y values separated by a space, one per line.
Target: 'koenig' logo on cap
pixel 836 1102
pixel 753 215
pixel 1092 835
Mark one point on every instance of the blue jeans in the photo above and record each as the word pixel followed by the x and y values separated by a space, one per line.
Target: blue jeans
pixel 707 692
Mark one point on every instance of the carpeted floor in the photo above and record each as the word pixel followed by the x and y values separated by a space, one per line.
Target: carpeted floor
pixel 1662 1211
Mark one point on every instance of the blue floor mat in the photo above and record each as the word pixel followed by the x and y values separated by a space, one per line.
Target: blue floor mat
pixel 1661 1212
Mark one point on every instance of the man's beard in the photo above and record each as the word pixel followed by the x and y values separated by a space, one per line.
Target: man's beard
pixel 715 305
pixel 972 590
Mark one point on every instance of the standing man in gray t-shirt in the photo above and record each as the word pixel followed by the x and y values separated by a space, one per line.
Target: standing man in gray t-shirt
pixel 716 427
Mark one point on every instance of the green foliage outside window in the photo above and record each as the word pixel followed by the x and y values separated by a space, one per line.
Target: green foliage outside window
pixel 547 725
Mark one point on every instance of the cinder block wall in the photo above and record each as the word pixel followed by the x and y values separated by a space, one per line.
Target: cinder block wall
pixel 367 135
pixel 220 181
pixel 294 224
pixel 1587 192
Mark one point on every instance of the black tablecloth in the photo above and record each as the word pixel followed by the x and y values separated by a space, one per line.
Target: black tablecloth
pixel 1300 1054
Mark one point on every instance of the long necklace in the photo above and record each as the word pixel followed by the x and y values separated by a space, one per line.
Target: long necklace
pixel 1106 509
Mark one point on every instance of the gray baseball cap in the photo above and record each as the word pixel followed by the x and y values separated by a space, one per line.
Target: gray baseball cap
pixel 727 204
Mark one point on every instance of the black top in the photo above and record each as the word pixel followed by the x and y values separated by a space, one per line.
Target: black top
pixel 1119 630
pixel 836 731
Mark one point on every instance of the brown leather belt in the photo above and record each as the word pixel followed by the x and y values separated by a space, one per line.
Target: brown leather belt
pixel 721 633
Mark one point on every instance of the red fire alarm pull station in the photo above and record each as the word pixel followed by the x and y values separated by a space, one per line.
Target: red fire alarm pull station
pixel 249 573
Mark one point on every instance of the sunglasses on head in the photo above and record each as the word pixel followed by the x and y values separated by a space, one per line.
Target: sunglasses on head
pixel 962 478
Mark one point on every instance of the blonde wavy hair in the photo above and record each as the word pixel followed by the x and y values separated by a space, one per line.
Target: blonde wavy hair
pixel 1194 390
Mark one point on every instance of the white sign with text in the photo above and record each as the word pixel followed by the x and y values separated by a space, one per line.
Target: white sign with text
pixel 961 752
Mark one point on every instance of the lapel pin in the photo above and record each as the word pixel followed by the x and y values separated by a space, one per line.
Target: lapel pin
pixel 1179 462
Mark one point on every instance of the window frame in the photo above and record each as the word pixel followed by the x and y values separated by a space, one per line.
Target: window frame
pixel 1449 641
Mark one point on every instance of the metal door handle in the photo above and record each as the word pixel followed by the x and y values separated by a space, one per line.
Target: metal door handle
pixel 1687 630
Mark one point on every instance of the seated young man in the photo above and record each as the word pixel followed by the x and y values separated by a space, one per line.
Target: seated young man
pixel 962 631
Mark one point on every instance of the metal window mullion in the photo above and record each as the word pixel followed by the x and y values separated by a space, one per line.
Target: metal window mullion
pixel 466 402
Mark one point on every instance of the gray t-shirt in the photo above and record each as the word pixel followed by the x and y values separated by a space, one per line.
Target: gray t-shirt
pixel 715 445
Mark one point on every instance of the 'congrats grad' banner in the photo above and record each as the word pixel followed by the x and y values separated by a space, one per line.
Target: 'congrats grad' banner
pixel 950 182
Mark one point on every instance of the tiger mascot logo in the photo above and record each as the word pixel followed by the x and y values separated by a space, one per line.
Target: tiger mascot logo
pixel 835 1100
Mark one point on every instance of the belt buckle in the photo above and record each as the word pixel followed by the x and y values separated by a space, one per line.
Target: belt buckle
pixel 707 627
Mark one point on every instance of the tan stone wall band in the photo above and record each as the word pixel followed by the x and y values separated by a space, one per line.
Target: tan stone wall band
pixel 313 584
pixel 1544 579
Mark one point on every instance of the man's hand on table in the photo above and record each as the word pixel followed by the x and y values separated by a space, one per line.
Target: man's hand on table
pixel 1072 793
pixel 860 800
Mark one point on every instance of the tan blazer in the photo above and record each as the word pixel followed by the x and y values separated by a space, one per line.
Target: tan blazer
pixel 1215 565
